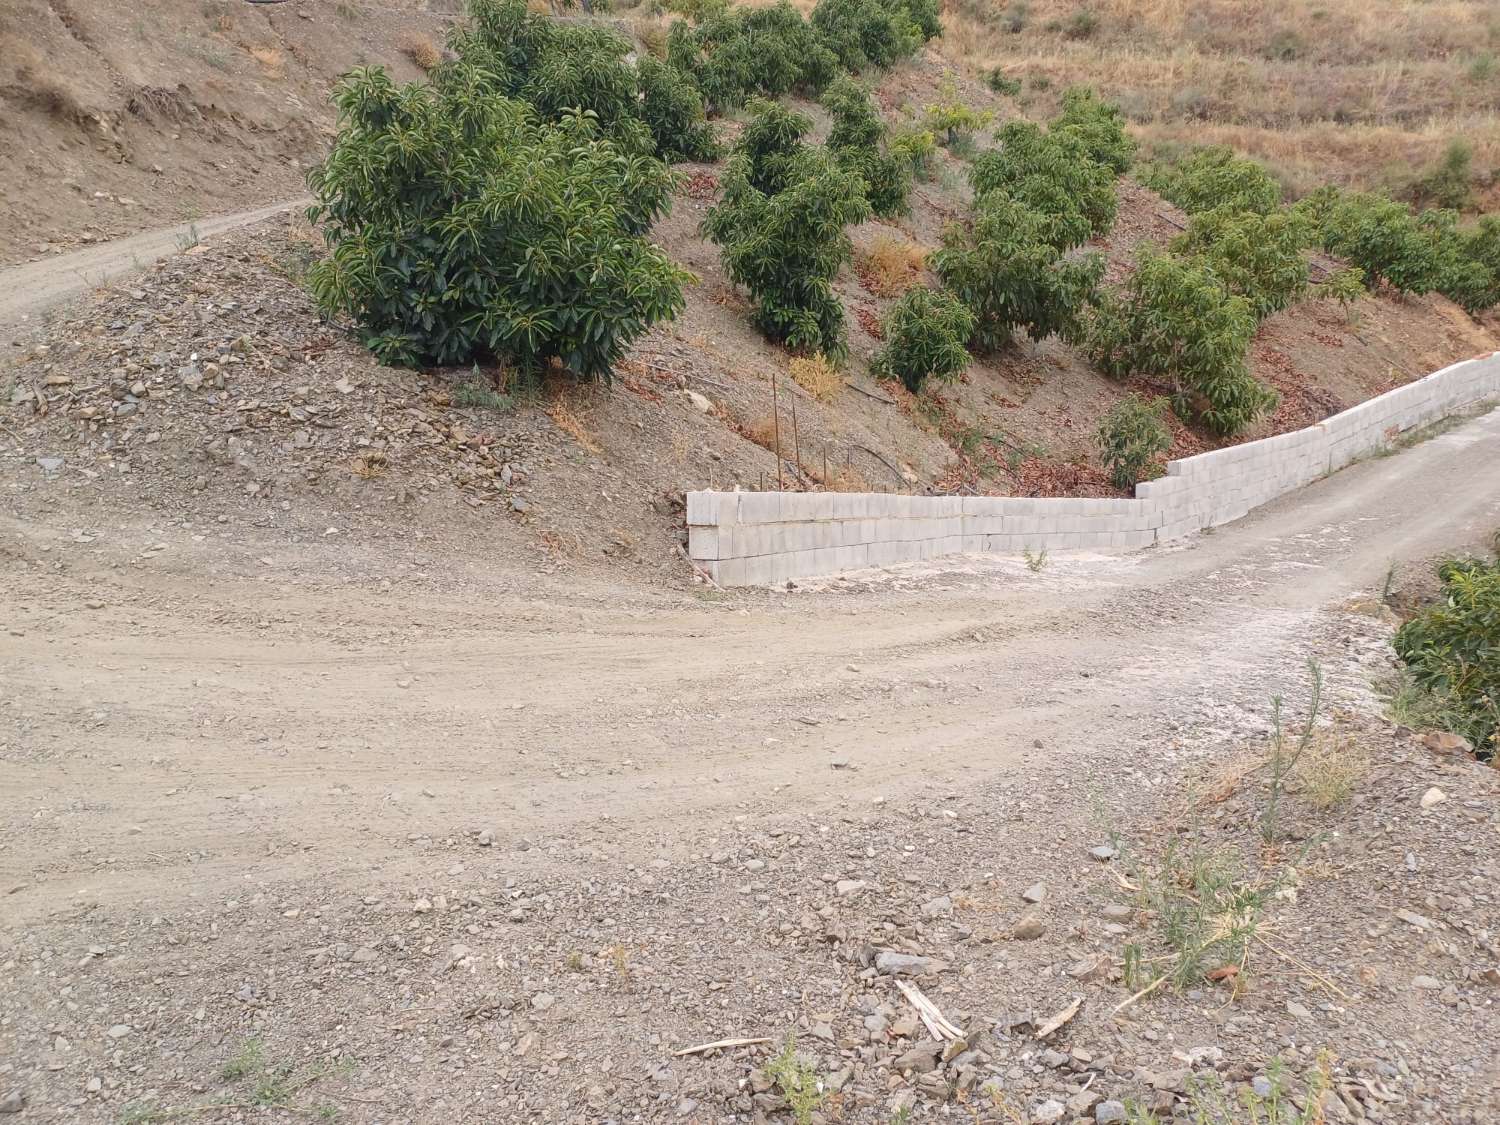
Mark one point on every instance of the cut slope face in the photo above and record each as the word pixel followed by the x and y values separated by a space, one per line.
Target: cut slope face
pixel 119 116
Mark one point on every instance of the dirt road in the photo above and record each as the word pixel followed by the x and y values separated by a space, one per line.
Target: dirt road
pixel 28 290
pixel 189 725
pixel 243 727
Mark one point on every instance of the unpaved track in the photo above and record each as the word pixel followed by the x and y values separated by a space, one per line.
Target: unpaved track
pixel 187 734
pixel 35 287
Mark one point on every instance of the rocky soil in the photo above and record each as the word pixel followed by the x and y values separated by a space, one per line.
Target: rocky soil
pixel 559 979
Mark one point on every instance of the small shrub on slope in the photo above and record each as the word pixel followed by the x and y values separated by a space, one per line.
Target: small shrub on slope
pixel 1176 322
pixel 1381 236
pixel 1479 287
pixel 925 334
pixel 1452 650
pixel 951 117
pixel 673 110
pixel 1005 265
pixel 780 226
pixel 1216 177
pixel 1099 125
pixel 1131 436
pixel 1053 174
pixel 855 141
pixel 870 33
pixel 733 54
pixel 1448 183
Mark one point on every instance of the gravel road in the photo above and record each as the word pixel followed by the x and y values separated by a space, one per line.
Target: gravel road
pixel 432 836
pixel 30 290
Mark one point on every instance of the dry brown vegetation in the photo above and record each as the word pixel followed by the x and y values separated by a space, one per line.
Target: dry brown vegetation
pixel 270 59
pixel 568 416
pixel 815 375
pixel 1363 94
pixel 891 266
pixel 417 47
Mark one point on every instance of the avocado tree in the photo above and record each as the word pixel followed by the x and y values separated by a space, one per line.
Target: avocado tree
pixel 1177 322
pixel 461 227
pixel 1004 265
pixel 780 226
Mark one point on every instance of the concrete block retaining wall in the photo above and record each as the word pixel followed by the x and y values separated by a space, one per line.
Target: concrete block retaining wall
pixel 761 538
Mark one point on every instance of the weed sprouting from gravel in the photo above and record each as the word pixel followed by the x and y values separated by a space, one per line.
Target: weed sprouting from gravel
pixel 1329 771
pixel 1036 561
pixel 1283 761
pixel 476 395
pixel 248 1060
pixel 1207 909
pixel 1274 1099
pixel 797 1081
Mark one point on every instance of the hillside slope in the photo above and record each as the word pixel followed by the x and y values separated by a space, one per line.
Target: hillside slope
pixel 297 429
pixel 118 117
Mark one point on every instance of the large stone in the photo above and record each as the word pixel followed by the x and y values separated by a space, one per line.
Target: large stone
pixel 903 964
pixel 921 1058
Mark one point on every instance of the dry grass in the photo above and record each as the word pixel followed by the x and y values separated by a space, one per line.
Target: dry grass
pixel 891 266
pixel 566 415
pixel 1329 769
pixel 846 478
pixel 369 465
pixel 652 35
pixel 815 375
pixel 420 49
pixel 1357 93
pixel 763 432
pixel 270 59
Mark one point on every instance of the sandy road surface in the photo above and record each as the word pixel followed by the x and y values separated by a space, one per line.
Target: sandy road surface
pixel 187 730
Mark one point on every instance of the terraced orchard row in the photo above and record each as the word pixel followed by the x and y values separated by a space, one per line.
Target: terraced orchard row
pixel 499 212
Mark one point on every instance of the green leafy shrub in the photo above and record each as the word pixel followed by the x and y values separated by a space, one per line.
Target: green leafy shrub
pixel 796 1078
pixel 1099 125
pixel 1176 322
pixel 1381 236
pixel 780 225
pixel 461 227
pixel 1002 83
pixel 1132 435
pixel 1216 177
pixel 1448 183
pixel 771 142
pixel 926 15
pixel 1259 257
pixel 1344 286
pixel 1053 174
pixel 856 122
pixel 558 67
pixel 855 141
pixel 1477 287
pixel 1005 266
pixel 925 334
pixel 735 53
pixel 1452 650
pixel 952 117
pixel 673 110
pixel 867 33
pixel 916 147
